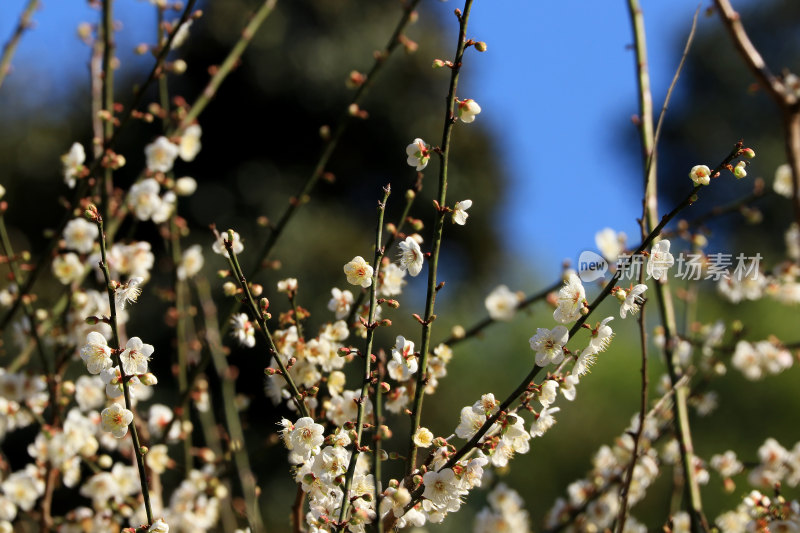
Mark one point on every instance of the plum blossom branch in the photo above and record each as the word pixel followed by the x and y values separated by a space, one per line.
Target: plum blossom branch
pixel 666 306
pixel 528 379
pixel 786 99
pixel 138 449
pixel 436 240
pixel 367 380
pixel 260 315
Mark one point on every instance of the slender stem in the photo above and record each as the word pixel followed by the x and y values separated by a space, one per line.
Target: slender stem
pixel 637 437
pixel 137 448
pixel 181 304
pixel 377 405
pixel 163 89
pixel 666 306
pixel 436 240
pixel 11 46
pixel 401 221
pixel 260 317
pixel 232 421
pixel 227 66
pixel 106 185
pixel 367 380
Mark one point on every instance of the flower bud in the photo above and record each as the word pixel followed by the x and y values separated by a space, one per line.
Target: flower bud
pixel 148 379
pixel 438 63
pixel 229 288
pixel 179 66
pixel 749 153
pixel 700 174
pixel 740 170
pixel 480 46
pixel 185 186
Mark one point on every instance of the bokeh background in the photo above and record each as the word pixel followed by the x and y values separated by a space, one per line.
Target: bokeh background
pixel 552 159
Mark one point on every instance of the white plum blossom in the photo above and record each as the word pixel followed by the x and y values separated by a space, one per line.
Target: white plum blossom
pixel 161 155
pixel 404 362
pixel 467 110
pixel 460 214
pixel 470 422
pixel 440 487
pixel 287 285
pixel 783 181
pixel 568 387
pixel 144 199
pixel 340 302
pixel 602 336
pixel 23 489
pixel 418 154
pixel 135 357
pixel 391 282
pixel 700 174
pixel 423 437
pixel 549 344
pixel 610 243
pixel 80 235
pixel 544 421
pixel 190 145
pixel 304 437
pixel 191 262
pixel 68 268
pixel 571 299
pixel 165 207
pixel 128 293
pixel 411 256
pixel 159 526
pixel 726 464
pixel 660 260
pixel 548 393
pixel 72 163
pixel 358 272
pixel 96 353
pixel 115 420
pixel 501 303
pixel 243 330
pixel 236 244
pixel 185 186
pixel 586 359
pixel 630 300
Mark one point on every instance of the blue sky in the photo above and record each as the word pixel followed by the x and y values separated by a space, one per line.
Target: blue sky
pixel 557 86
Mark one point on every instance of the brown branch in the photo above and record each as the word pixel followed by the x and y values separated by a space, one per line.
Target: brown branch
pixel 11 46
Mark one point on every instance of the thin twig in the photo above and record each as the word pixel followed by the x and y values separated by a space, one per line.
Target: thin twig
pixel 436 240
pixel 664 295
pixel 367 355
pixel 11 46
pixel 117 349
